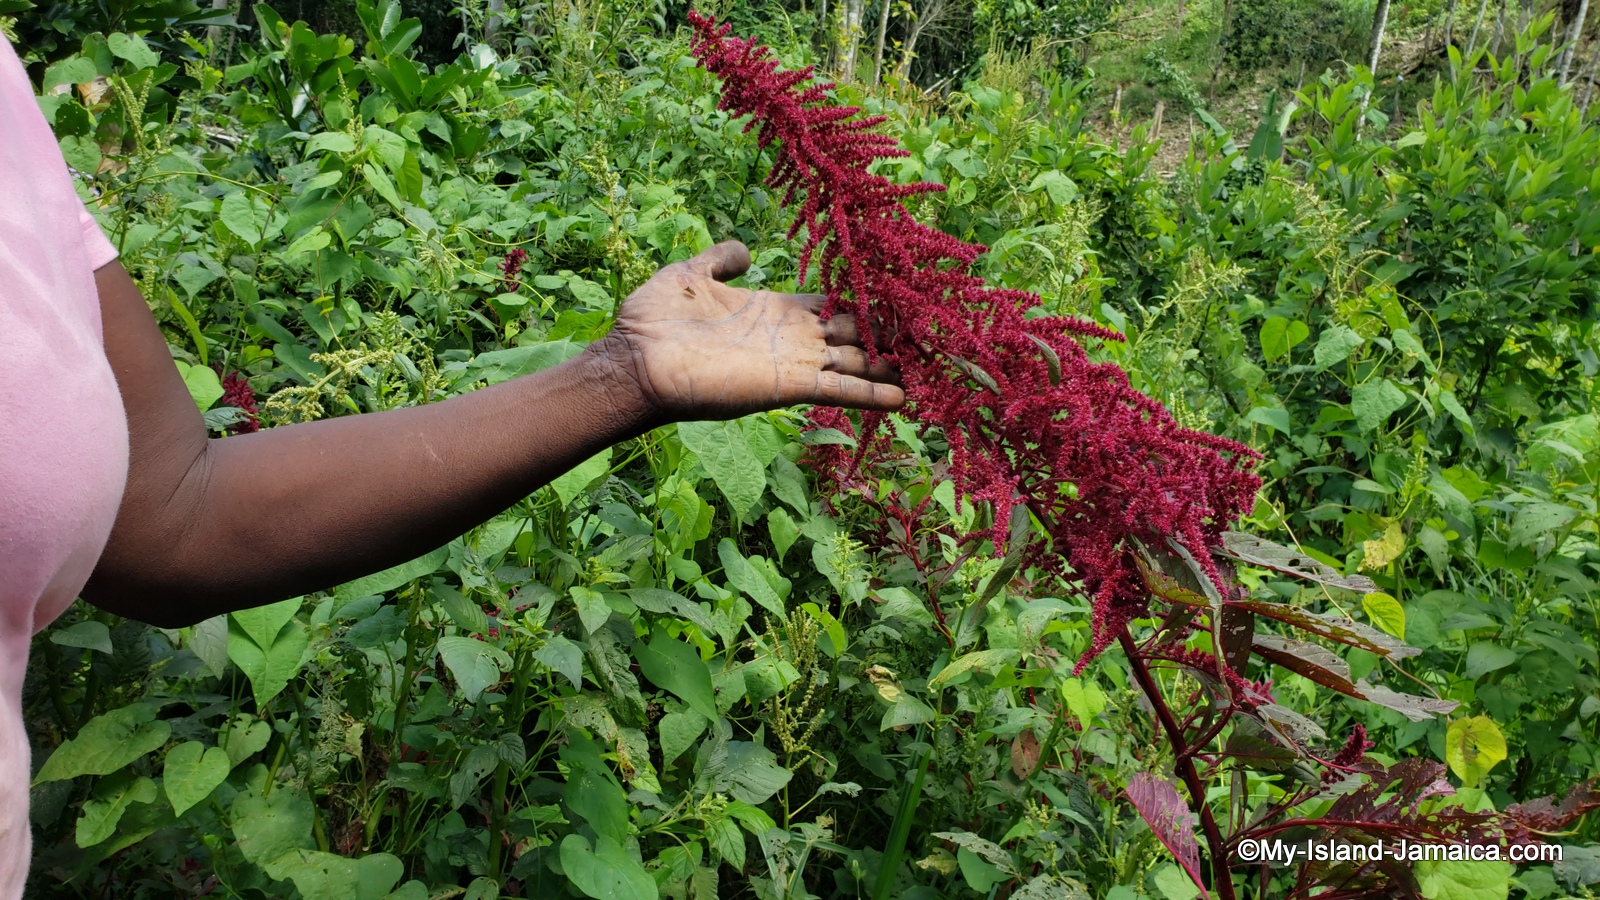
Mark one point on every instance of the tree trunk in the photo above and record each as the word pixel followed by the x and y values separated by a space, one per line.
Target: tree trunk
pixel 214 32
pixel 883 33
pixel 1500 28
pixel 1472 43
pixel 1449 24
pixel 1380 20
pixel 492 21
pixel 1574 34
pixel 853 10
pixel 1588 86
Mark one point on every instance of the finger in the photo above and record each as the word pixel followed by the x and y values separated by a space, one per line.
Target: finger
pixel 853 361
pixel 722 262
pixel 836 389
pixel 812 302
pixel 841 331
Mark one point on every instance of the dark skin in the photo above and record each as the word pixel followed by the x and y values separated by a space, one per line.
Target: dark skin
pixel 208 526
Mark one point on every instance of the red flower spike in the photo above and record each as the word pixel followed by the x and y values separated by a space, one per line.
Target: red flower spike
pixel 1018 434
pixel 237 392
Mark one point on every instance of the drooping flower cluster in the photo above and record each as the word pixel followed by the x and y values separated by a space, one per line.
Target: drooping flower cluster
pixel 511 270
pixel 1029 417
pixel 237 392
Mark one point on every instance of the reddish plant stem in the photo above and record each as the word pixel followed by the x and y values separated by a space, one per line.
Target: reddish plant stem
pixel 1221 878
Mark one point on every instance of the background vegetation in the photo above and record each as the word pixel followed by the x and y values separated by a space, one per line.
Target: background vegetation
pixel 678 671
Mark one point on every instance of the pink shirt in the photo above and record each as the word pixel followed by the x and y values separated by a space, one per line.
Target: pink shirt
pixel 63 433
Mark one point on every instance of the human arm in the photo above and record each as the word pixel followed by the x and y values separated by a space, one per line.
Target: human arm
pixel 208 526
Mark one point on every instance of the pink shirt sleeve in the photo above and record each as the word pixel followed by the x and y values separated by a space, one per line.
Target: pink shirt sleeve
pixel 95 242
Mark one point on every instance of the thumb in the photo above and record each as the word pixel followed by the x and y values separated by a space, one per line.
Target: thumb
pixel 723 262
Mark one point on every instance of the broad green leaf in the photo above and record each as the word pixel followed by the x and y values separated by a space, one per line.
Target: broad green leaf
pixel 111 799
pixel 599 800
pixel 330 141
pixel 1280 335
pixel 678 733
pixel 1374 401
pixel 782 530
pixel 1084 699
pixel 1061 189
pixel 980 874
pixel 1464 879
pixel 243 738
pixel 577 479
pixel 982 660
pixel 907 710
pixel 675 666
pixel 1385 612
pixel 1335 345
pixel 328 876
pixel 606 871
pixel 1174 884
pixel 132 48
pixel 593 610
pixel 1472 747
pixel 1536 519
pixel 263 623
pixel 563 656
pixel 744 576
pixel 754 772
pixel 475 665
pixel 241 216
pixel 191 772
pixel 268 668
pixel 266 828
pixel 106 743
pixel 72 70
pixel 726 455
pixel 1483 658
pixel 88 634
pixel 203 384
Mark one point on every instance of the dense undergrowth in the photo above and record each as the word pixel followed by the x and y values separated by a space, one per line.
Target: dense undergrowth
pixel 679 670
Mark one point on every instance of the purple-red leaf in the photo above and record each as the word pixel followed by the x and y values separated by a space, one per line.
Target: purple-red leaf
pixel 1170 819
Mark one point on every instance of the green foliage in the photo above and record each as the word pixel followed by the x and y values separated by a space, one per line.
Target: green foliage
pixel 678 671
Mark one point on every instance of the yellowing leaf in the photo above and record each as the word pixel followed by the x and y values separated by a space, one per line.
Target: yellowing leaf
pixel 1378 553
pixel 1472 747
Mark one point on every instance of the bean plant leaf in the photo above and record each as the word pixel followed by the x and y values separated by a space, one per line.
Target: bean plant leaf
pixel 328 876
pixel 191 772
pixel 1536 519
pixel 574 481
pixel 1375 401
pixel 111 799
pixel 562 656
pixel 676 667
pixel 743 575
pixel 726 455
pixel 267 827
pixel 269 667
pixel 88 634
pixel 1385 612
pixel 1472 747
pixel 108 742
pixel 1169 818
pixel 1335 345
pixel 605 871
pixel 678 733
pixel 475 665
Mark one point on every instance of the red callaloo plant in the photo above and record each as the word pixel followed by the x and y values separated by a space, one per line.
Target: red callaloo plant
pixel 1030 418
pixel 1135 504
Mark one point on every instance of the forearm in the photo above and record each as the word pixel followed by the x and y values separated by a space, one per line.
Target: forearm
pixel 257 518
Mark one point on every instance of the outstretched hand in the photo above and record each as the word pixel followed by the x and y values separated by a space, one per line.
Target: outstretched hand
pixel 699 349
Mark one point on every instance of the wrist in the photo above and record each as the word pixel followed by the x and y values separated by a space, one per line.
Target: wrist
pixel 611 369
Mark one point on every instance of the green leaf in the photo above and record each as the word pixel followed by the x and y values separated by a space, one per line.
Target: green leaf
pixel 1386 613
pixel 563 656
pixel 1536 519
pixel 240 216
pixel 1175 884
pixel 907 710
pixel 269 667
pixel 203 384
pixel 1472 747
pixel 728 459
pixel 475 665
pixel 990 660
pixel 81 153
pixel 266 828
pixel 72 70
pixel 593 610
pixel 1274 417
pixel 599 800
pixel 742 575
pixel 132 48
pixel 1062 190
pixel 1374 401
pixel 590 294
pixel 262 623
pixel 503 365
pixel 577 479
pixel 1483 658
pixel 191 772
pixel 111 799
pixel 605 872
pixel 89 634
pixel 381 183
pixel 1464 879
pixel 675 666
pixel 107 743
pixel 1280 335
pixel 331 142
pixel 753 772
pixel 1085 700
pixel 1335 345
pixel 678 733
pixel 328 876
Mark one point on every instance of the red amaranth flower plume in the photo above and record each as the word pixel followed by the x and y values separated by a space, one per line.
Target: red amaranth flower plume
pixel 1026 412
pixel 237 392
pixel 511 269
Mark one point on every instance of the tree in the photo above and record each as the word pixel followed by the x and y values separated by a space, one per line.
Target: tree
pixel 883 30
pixel 1574 34
pixel 924 16
pixel 853 11
pixel 1380 19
